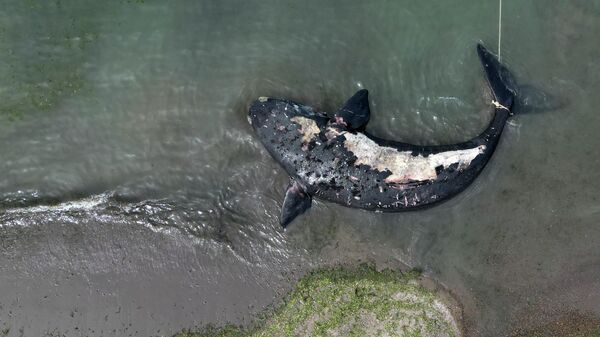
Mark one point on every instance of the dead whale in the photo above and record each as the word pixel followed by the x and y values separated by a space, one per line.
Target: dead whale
pixel 334 159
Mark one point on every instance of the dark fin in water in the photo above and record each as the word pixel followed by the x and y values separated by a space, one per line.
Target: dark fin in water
pixel 531 99
pixel 499 79
pixel 355 113
pixel 296 202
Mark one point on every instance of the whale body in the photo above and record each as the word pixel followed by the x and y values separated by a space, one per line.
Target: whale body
pixel 335 159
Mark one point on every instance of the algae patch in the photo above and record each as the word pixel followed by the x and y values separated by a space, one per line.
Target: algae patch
pixel 353 302
pixel 48 48
pixel 43 62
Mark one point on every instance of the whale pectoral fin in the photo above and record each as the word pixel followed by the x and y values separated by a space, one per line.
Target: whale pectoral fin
pixel 355 113
pixel 296 202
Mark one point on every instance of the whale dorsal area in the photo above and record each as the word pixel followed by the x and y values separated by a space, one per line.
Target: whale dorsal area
pixel 405 166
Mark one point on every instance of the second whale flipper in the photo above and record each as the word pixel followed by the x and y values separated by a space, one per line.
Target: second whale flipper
pixel 296 202
pixel 355 114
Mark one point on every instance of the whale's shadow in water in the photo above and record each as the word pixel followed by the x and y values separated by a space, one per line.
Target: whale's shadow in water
pixel 533 99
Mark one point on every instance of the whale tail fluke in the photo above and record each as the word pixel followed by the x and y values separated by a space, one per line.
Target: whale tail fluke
pixel 500 80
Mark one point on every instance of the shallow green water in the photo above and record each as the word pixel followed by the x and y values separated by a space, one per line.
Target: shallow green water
pixel 135 199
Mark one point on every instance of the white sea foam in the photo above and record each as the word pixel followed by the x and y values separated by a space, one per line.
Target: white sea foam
pixel 85 204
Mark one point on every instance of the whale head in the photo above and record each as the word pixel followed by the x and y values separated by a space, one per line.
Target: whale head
pixel 286 129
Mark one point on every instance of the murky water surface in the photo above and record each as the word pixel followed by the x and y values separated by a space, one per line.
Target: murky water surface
pixel 134 199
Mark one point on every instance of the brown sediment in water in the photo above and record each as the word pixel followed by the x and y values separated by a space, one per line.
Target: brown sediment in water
pixel 571 324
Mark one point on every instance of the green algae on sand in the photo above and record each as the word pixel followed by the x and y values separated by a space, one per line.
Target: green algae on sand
pixel 353 302
pixel 45 63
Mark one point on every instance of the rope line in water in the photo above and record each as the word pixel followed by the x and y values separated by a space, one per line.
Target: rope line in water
pixel 499 28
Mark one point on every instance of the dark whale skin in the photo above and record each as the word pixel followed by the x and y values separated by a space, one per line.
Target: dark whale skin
pixel 332 158
pixel 328 170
